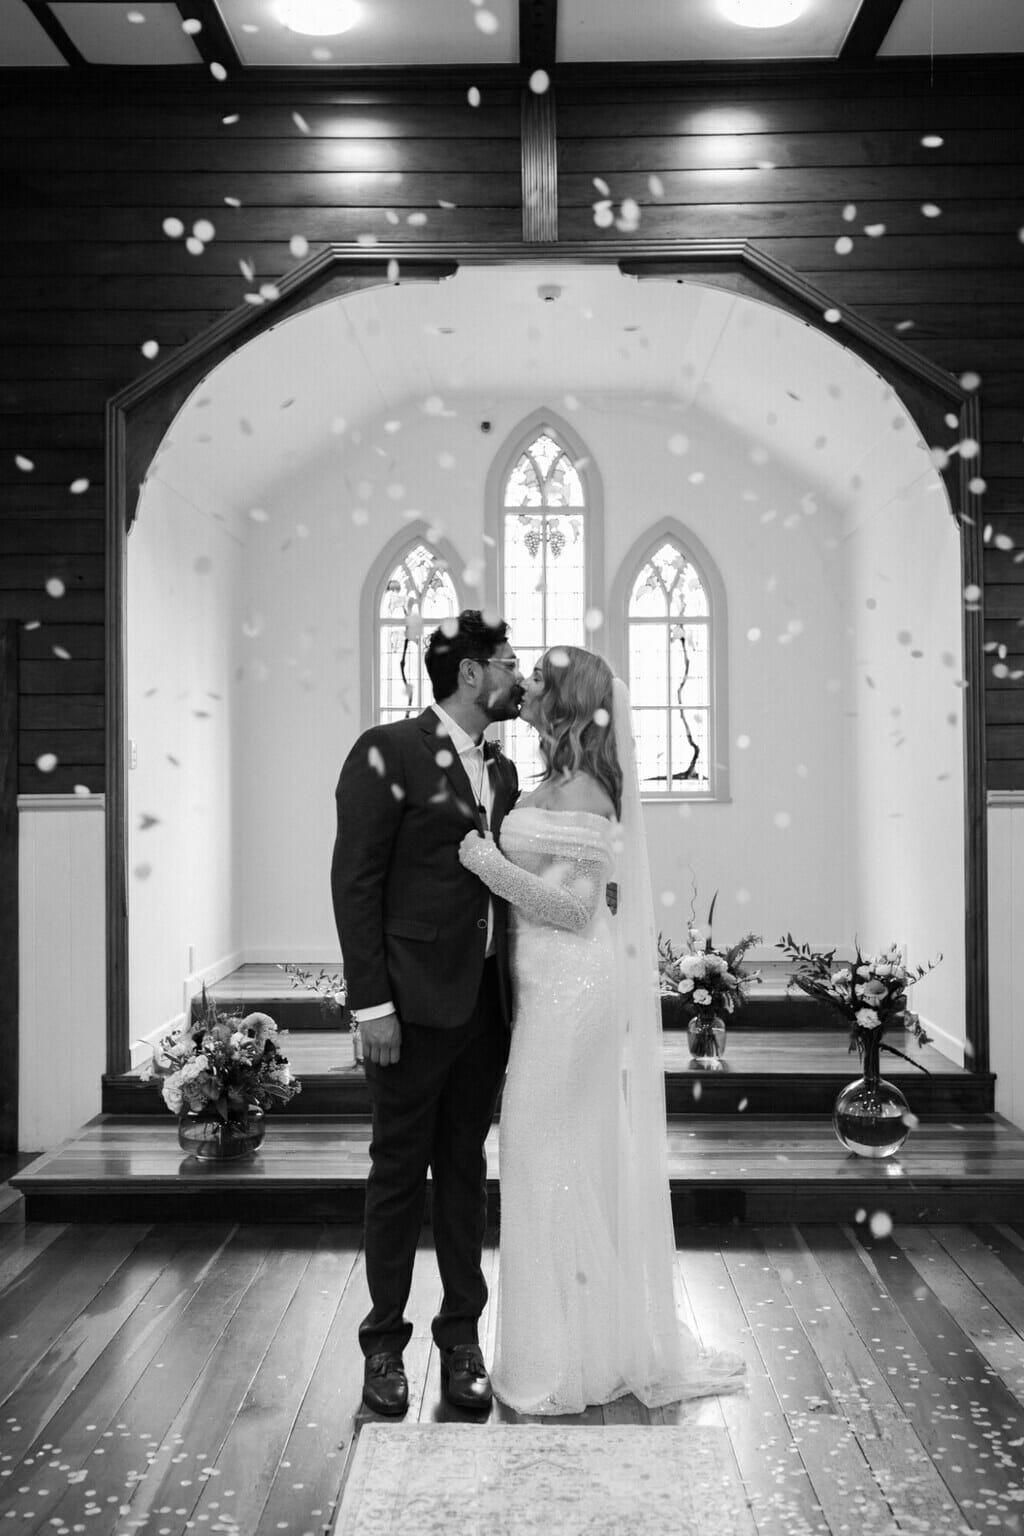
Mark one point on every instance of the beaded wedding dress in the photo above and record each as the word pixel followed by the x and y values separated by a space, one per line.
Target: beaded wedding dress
pixel 587 1299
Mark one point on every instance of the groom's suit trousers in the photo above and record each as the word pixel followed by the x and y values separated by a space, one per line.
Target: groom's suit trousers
pixel 432 1110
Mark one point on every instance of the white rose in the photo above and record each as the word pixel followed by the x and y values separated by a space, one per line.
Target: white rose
pixel 867 1017
pixel 693 965
pixel 702 997
pixel 684 986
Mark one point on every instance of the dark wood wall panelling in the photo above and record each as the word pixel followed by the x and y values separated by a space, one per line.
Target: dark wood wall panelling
pixel 777 163
pixel 91 172
pixel 89 275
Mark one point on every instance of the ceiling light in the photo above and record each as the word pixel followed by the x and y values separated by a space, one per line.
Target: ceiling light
pixel 317 18
pixel 762 13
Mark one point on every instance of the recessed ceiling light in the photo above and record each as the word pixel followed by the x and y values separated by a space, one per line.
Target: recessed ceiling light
pixel 317 18
pixel 762 13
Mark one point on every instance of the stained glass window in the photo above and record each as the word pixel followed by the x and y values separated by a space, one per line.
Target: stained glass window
pixel 545 598
pixel 418 593
pixel 669 622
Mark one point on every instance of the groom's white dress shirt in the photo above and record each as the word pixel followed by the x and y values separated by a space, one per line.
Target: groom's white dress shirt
pixel 471 754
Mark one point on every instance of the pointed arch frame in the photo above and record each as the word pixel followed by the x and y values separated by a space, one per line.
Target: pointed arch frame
pixel 139 417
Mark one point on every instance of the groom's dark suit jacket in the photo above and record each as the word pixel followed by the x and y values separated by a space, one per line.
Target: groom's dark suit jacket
pixel 411 920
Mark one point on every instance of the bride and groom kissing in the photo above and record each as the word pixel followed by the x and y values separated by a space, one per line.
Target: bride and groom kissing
pixel 479 946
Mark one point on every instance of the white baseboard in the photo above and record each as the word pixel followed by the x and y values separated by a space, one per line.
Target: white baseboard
pixel 942 1041
pixel 209 974
pixel 296 954
pixel 142 1048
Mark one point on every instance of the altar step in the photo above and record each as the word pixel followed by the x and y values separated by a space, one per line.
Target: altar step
pixel 749 1168
pixel 778 1072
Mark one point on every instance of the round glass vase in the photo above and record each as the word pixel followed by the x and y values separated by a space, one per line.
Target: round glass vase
pixel 869 1117
pixel 705 1035
pixel 213 1140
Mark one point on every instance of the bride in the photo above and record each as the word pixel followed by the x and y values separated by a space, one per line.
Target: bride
pixel 586 1300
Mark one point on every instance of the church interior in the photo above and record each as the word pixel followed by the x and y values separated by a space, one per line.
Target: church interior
pixel 692 337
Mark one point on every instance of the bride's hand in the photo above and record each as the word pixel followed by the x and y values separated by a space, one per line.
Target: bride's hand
pixel 475 849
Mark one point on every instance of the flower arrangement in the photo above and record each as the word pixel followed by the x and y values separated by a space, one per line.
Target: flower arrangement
pixel 870 992
pixel 709 979
pixel 222 1065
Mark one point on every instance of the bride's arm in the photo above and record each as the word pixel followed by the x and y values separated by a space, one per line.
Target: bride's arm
pixel 568 898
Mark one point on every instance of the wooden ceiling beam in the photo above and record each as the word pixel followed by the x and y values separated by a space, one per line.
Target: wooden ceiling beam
pixel 868 30
pixel 56 33
pixel 213 40
pixel 538 28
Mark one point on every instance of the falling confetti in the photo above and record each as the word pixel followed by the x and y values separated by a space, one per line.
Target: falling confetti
pixel 46 762
pixel 487 23
pixel 601 717
pixel 880 1224
pixel 473 96
pixel 540 80
pixel 300 122
pixel 55 587
pixel 832 316
pixel 150 348
pixel 192 26
pixel 26 465
pixel 844 245
pixel 931 210
pixel 203 230
pixel 298 245
pixel 79 487
pixel 592 620
pixel 218 71
pixel 874 231
pixel 173 228
pixel 932 141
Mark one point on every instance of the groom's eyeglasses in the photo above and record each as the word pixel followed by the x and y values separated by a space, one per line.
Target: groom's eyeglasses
pixel 511 664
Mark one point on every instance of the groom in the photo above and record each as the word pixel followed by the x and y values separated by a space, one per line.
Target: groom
pixel 425 952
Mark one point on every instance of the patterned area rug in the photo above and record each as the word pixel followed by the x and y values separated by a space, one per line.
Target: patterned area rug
pixel 512 1479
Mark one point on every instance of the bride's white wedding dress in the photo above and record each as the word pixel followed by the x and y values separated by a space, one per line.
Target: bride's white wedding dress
pixel 586 1299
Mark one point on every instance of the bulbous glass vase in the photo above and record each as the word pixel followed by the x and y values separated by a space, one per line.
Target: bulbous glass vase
pixel 870 1114
pixel 213 1140
pixel 705 1035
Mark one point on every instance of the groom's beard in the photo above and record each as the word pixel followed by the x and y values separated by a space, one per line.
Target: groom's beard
pixel 500 703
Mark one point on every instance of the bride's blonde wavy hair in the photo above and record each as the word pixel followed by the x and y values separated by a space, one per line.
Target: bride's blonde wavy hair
pixel 577 686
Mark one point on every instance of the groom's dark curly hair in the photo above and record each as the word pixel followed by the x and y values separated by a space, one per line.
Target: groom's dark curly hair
pixel 474 639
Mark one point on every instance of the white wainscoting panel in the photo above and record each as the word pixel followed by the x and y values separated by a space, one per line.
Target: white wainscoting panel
pixel 1006 951
pixel 62 966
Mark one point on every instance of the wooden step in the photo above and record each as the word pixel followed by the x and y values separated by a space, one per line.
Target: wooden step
pixel 782 1072
pixel 750 1169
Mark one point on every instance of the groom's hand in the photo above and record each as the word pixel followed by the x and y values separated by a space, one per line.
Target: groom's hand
pixel 382 1039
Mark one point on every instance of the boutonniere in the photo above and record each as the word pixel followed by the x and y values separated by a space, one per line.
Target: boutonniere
pixel 492 752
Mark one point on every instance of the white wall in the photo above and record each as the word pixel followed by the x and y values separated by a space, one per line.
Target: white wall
pixel 904 862
pixel 61 960
pixel 303 669
pixel 1006 961
pixel 182 711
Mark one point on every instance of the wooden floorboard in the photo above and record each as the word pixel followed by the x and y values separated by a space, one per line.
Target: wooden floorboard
pixel 167 1380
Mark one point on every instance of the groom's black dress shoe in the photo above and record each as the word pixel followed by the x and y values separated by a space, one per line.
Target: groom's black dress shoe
pixel 385 1385
pixel 464 1378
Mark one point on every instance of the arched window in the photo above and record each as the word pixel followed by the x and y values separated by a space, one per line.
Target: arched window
pixel 548 539
pixel 675 648
pixel 417 594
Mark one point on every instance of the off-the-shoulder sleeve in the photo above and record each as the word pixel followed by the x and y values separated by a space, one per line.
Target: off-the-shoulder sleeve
pixel 568 893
